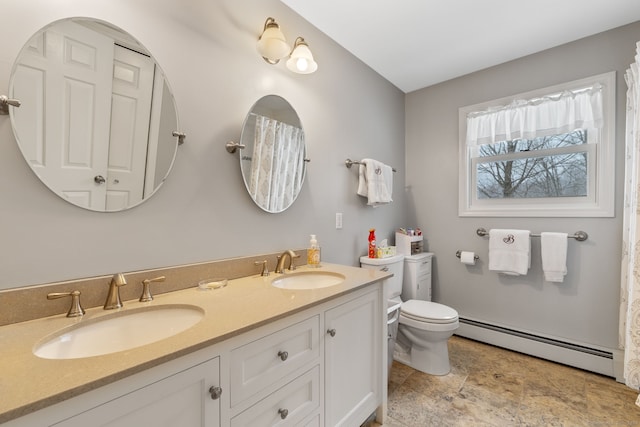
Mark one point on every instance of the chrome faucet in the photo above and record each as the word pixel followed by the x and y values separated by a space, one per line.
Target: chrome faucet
pixel 113 297
pixel 281 259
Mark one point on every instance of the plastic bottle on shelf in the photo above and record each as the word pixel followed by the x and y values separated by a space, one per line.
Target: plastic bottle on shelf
pixel 372 243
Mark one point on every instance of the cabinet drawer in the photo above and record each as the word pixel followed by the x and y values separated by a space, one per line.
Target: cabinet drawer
pixel 299 399
pixel 255 366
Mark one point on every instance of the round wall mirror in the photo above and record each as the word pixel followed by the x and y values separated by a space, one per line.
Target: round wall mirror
pixel 97 116
pixel 273 160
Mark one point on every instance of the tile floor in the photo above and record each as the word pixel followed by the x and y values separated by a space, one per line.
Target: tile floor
pixel 490 386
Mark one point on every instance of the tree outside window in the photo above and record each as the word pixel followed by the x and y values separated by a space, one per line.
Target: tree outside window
pixel 542 173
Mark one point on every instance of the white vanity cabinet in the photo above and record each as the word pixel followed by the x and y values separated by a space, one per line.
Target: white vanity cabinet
pixel 320 366
pixel 186 399
pixel 353 360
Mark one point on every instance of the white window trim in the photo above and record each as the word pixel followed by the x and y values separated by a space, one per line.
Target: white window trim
pixel 601 201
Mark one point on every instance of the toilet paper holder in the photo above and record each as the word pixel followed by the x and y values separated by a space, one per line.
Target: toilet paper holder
pixel 475 257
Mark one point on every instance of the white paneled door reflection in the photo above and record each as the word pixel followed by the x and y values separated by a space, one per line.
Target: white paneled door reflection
pixel 91 100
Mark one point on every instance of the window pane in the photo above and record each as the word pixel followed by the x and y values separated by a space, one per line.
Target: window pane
pixel 563 175
pixel 576 137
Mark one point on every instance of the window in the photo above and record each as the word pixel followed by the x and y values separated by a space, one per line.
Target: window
pixel 547 153
pixel 548 166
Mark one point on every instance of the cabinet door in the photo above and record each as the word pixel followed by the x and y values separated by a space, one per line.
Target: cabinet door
pixel 423 290
pixel 353 357
pixel 181 400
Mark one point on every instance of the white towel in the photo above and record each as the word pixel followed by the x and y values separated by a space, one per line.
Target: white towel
pixel 510 251
pixel 375 182
pixel 553 248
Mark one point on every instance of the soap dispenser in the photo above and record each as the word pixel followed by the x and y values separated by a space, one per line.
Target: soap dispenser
pixel 313 253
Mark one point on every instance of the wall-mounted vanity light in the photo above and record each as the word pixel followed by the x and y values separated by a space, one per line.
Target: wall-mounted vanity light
pixel 273 47
pixel 271 44
pixel 301 60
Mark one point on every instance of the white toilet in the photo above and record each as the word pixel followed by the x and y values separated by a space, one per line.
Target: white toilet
pixel 425 326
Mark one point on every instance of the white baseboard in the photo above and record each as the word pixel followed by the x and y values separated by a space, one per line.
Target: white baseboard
pixel 599 363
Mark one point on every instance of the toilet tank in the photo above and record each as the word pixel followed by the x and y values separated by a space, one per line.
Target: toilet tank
pixel 393 264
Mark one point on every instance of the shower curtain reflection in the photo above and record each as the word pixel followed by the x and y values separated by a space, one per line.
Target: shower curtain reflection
pixel 277 166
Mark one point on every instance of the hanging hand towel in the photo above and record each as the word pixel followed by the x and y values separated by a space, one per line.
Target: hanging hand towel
pixel 375 182
pixel 510 251
pixel 553 248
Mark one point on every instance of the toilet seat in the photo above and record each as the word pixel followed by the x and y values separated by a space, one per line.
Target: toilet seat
pixel 428 312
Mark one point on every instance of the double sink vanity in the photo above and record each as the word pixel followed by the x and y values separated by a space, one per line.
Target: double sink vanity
pixel 304 347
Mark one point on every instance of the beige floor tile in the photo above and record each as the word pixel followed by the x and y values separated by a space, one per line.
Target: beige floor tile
pixel 410 407
pixel 436 384
pixel 611 402
pixel 491 386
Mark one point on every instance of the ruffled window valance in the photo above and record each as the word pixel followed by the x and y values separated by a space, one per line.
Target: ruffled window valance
pixel 529 119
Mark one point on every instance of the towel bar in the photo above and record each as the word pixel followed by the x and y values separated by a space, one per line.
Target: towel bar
pixel 580 236
pixel 348 163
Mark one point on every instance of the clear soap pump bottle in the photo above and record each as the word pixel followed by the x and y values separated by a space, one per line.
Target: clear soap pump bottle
pixel 313 253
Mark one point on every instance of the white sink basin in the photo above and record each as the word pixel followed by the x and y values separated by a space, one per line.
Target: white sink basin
pixel 120 331
pixel 308 280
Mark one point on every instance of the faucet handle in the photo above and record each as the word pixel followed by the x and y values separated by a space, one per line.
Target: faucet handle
pixel 292 266
pixel 146 293
pixel 76 309
pixel 265 270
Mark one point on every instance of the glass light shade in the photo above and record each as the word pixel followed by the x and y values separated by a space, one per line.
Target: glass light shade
pixel 301 60
pixel 272 44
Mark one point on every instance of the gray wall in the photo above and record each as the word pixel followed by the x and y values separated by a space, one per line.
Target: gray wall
pixel 208 52
pixel 584 308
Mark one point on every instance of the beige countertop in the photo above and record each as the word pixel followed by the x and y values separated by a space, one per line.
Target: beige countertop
pixel 244 304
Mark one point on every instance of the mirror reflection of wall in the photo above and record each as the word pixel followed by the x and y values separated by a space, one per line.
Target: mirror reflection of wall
pixel 273 161
pixel 97 114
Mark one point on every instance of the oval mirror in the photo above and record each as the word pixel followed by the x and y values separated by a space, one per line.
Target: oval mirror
pixel 97 116
pixel 273 160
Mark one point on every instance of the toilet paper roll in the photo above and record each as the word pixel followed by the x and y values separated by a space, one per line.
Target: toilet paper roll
pixel 468 258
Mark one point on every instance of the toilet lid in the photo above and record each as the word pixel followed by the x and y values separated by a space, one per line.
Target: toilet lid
pixel 428 311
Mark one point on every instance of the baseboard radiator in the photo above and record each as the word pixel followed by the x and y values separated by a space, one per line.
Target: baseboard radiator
pixel 579 356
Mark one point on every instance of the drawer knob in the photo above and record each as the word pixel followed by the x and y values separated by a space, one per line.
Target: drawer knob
pixel 384 269
pixel 284 413
pixel 215 392
pixel 283 355
pixel 331 332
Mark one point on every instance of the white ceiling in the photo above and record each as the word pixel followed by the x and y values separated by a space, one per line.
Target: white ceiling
pixel 418 43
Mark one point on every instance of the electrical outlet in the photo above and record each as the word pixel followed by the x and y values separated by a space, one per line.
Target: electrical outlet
pixel 338 220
